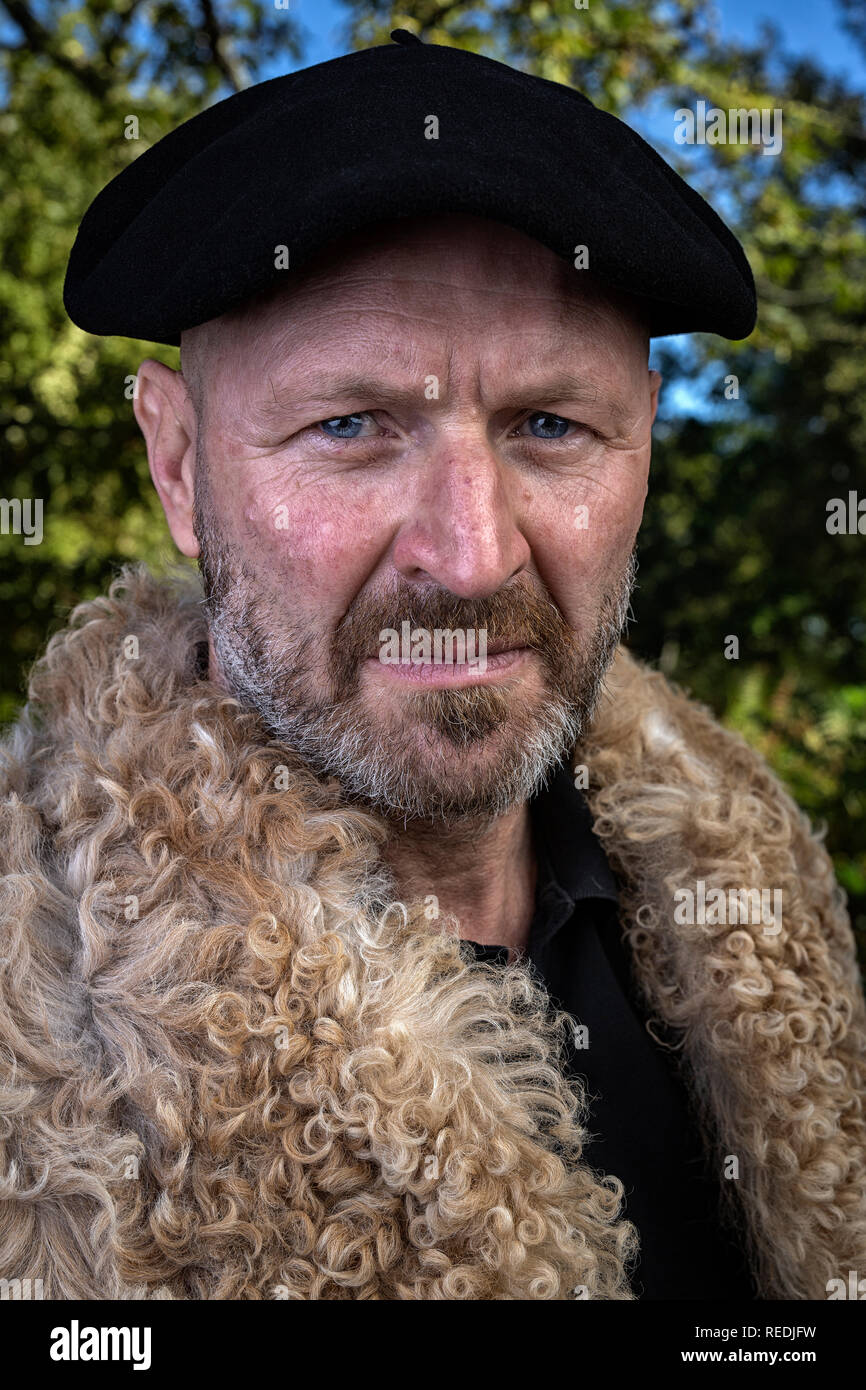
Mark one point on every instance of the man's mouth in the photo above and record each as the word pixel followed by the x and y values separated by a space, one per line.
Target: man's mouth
pixel 501 659
pixel 492 649
pixel 496 648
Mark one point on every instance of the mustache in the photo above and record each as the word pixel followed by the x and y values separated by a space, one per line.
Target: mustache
pixel 516 616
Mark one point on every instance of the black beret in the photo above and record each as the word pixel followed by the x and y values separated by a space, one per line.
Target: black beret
pixel 190 228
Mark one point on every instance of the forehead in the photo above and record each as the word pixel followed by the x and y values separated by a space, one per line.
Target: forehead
pixel 407 288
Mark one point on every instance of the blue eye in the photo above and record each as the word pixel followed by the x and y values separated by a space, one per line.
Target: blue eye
pixel 343 426
pixel 548 426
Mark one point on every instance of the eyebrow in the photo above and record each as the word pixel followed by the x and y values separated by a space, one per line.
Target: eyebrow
pixel 350 387
pixel 278 402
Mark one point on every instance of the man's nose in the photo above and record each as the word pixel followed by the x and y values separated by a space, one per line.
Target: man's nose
pixel 462 528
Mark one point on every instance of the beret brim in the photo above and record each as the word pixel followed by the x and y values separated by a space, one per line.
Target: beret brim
pixel 190 228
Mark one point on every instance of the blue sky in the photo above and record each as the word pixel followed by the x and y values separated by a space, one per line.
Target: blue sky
pixel 808 26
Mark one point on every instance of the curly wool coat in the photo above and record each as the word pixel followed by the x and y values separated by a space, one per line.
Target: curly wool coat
pixel 234 1067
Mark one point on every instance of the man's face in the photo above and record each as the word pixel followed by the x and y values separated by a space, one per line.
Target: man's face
pixel 444 425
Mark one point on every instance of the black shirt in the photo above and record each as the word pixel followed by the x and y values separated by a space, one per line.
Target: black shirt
pixel 641 1125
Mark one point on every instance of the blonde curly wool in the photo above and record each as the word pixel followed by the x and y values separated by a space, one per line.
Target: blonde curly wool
pixel 771 1026
pixel 232 1067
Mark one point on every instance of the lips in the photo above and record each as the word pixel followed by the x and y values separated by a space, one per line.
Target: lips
pixel 492 649
pixel 496 648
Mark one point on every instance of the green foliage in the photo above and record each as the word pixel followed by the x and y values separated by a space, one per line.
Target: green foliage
pixel 66 424
pixel 734 540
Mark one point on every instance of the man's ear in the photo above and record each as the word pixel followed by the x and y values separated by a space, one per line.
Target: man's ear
pixel 655 383
pixel 167 419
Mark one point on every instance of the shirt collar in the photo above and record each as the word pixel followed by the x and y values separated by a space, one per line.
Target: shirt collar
pixel 566 845
pixel 572 866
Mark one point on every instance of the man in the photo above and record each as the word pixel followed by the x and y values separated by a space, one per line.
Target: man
pixel 245 837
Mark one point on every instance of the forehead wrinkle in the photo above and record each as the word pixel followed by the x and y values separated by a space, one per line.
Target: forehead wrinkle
pixel 327 381
pixel 283 322
pixel 296 371
pixel 386 294
pixel 372 392
pixel 297 339
pixel 556 372
pixel 337 390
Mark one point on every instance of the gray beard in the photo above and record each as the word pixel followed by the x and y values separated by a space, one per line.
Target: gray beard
pixel 406 770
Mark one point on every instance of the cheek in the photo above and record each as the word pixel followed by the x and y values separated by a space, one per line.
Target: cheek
pixel 583 534
pixel 315 538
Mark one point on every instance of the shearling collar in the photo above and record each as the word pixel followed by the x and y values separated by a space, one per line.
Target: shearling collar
pixel 240 1070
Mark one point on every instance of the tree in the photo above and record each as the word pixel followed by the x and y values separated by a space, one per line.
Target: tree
pixel 85 89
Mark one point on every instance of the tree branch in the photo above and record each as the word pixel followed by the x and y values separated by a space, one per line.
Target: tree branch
pixel 41 40
pixel 211 27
